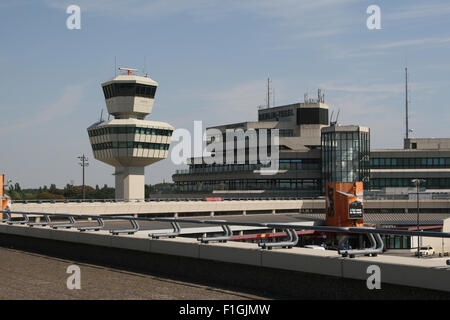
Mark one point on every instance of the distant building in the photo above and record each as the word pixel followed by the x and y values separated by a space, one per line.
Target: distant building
pixel 311 151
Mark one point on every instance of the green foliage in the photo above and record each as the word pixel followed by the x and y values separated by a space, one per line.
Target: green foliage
pixel 69 192
pixel 76 192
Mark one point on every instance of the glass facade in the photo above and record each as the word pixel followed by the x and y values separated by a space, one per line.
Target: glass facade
pixel 129 89
pixel 128 130
pixel 284 164
pixel 273 115
pixel 346 156
pixel 250 184
pixel 396 242
pixel 430 183
pixel 312 116
pixel 409 163
pixel 129 144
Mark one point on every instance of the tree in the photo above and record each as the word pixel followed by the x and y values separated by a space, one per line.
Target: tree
pixel 17 187
pixel 48 195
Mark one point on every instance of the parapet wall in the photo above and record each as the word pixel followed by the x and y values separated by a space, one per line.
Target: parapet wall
pixel 296 272
pixel 212 207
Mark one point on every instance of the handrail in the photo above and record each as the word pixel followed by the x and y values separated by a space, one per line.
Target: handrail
pixel 176 232
pixel 134 224
pixel 227 236
pixel 65 225
pixel 366 251
pixel 100 225
pixel 24 221
pixel 290 229
pixel 46 223
pixel 200 197
pixel 291 241
pixel 360 230
pixel 7 214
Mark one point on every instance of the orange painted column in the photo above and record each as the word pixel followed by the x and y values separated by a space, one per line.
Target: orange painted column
pixel 3 202
pixel 344 207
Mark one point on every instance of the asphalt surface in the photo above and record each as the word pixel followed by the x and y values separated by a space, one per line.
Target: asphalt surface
pixel 33 276
pixel 156 225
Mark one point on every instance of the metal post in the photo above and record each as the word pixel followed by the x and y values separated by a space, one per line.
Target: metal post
pixel 84 163
pixel 417 182
pixel 418 219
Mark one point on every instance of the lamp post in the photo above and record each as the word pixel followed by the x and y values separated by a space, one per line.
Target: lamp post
pixel 84 163
pixel 417 183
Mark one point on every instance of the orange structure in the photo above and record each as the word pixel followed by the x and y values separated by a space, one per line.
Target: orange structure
pixel 3 199
pixel 344 206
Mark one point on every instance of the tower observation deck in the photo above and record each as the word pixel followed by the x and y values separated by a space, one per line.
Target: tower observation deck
pixel 128 142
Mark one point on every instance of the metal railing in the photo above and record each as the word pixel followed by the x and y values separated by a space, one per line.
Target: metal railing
pixel 230 197
pixel 288 195
pixel 291 230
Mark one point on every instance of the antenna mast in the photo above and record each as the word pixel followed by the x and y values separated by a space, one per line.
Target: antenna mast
pixel 406 102
pixel 145 65
pixel 273 97
pixel 268 92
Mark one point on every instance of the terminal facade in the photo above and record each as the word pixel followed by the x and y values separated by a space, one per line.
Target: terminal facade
pixel 312 150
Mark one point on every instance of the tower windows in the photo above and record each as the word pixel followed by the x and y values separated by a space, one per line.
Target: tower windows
pixel 128 89
pixel 128 130
pixel 129 145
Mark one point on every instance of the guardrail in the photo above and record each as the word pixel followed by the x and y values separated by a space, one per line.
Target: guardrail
pixel 180 199
pixel 291 241
pixel 368 195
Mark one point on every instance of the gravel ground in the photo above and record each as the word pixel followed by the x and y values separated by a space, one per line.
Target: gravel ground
pixel 33 276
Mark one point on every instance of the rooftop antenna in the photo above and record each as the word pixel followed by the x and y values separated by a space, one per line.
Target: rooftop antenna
pixel 268 92
pixel 273 97
pixel 320 96
pixel 101 116
pixel 145 66
pixel 337 116
pixel 115 66
pixel 406 102
pixel 129 70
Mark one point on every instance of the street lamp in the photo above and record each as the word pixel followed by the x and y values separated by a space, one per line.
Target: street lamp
pixel 417 183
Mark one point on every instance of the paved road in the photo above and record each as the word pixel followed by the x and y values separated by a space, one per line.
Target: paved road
pixel 33 276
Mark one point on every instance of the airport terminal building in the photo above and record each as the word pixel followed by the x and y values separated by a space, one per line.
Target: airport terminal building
pixel 313 150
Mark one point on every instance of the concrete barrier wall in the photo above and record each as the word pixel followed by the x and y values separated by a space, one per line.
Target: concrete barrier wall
pixel 236 207
pixel 161 207
pixel 405 271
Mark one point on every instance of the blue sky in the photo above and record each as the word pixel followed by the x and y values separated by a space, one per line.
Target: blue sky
pixel 211 60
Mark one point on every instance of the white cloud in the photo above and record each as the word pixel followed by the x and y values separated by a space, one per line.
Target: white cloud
pixel 413 42
pixel 305 19
pixel 373 88
pixel 414 11
pixel 237 104
pixel 62 107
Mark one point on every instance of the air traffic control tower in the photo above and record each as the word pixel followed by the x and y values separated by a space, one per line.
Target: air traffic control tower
pixel 128 142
